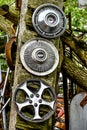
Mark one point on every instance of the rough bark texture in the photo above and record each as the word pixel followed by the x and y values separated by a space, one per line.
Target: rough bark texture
pixel 77 74
pixel 8 19
pixel 21 74
pixel 27 32
pixel 10 13
pixel 79 47
pixel 5 26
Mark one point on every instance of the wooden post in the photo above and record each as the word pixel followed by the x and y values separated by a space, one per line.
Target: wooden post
pixel 18 4
pixel 25 33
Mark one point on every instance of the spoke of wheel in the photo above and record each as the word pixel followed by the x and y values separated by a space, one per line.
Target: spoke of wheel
pixel 21 105
pixel 42 88
pixel 36 116
pixel 50 104
pixel 25 89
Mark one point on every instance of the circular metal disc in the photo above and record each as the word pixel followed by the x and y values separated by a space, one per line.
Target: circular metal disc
pixel 35 100
pixel 39 56
pixel 49 21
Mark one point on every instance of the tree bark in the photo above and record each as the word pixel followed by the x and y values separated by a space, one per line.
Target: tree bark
pixel 8 19
pixel 77 74
pixel 79 47
pixel 26 32
pixel 5 26
pixel 21 74
pixel 10 13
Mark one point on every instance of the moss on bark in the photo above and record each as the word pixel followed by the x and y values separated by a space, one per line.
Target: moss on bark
pixel 76 73
pixel 26 32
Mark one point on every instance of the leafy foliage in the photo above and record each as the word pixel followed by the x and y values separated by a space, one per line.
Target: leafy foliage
pixel 2 2
pixel 3 62
pixel 78 15
pixel 2 33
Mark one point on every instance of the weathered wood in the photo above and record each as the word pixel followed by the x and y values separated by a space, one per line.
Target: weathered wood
pixel 34 4
pixel 5 26
pixel 79 47
pixel 13 114
pixel 76 73
pixel 4 9
pixel 13 15
pixel 26 32
pixel 21 74
pixel 18 4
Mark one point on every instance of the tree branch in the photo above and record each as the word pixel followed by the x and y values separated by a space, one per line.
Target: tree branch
pixel 76 73
pixel 79 30
pixel 5 26
pixel 78 46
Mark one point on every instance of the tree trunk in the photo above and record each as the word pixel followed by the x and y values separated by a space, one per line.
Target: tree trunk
pixel 75 73
pixel 79 47
pixel 21 74
pixel 5 26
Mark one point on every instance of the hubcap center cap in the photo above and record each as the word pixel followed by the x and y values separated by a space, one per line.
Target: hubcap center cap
pixel 51 20
pixel 39 55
